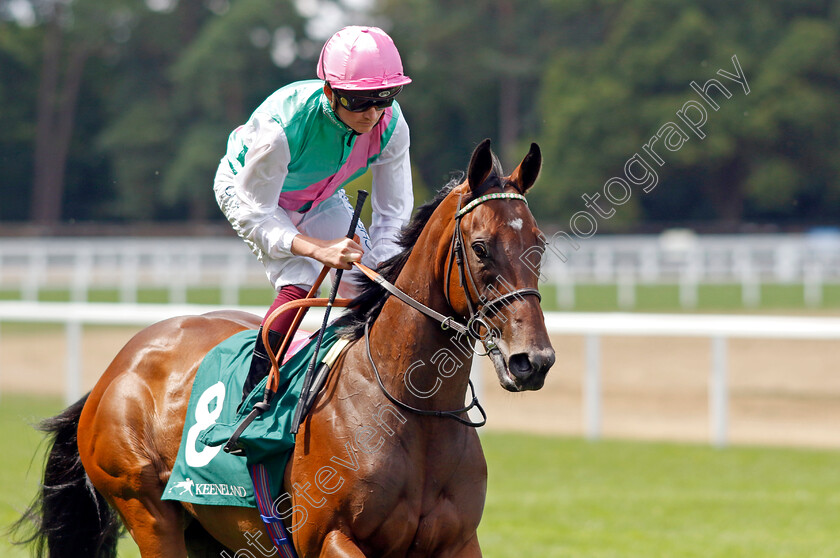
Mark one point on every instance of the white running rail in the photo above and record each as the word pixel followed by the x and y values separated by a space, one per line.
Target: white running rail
pixel 717 328
pixel 677 257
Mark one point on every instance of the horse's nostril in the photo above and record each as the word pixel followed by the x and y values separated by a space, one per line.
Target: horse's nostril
pixel 519 365
pixel 545 361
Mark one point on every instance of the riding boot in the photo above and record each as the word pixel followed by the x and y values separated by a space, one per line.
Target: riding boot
pixel 260 363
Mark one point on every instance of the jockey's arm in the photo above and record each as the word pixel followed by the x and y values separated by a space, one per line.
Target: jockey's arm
pixel 250 205
pixel 392 198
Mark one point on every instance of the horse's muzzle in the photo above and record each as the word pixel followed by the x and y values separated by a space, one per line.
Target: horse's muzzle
pixel 529 369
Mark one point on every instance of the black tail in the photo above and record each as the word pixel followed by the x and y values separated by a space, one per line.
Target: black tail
pixel 69 518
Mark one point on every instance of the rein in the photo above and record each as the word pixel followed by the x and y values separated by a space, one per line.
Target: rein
pixel 456 253
pixel 443 414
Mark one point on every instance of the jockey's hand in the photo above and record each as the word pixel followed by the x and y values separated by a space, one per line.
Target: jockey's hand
pixel 338 252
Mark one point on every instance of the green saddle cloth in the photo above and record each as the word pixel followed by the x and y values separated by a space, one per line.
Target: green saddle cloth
pixel 203 472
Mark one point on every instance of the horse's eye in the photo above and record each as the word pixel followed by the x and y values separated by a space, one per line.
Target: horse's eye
pixel 480 249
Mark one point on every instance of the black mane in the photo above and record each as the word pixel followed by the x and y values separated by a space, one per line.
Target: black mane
pixel 367 305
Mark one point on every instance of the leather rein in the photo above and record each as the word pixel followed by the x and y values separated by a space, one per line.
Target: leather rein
pixel 478 311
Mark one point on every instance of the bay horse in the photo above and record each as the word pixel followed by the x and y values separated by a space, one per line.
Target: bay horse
pixel 379 467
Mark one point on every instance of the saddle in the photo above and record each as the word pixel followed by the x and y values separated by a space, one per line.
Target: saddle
pixel 203 474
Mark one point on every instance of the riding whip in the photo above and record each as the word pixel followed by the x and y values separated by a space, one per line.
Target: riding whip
pixel 305 402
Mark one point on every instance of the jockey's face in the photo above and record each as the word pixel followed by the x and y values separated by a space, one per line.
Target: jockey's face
pixel 359 122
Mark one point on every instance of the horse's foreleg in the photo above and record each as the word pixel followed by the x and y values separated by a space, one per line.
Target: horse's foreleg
pixel 338 545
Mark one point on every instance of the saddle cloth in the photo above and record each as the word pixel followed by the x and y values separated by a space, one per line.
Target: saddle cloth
pixel 203 473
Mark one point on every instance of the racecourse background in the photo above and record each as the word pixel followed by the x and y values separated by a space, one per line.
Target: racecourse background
pixel 567 497
pixel 780 391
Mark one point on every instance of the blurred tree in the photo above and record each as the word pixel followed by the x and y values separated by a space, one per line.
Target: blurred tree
pixel 170 79
pixel 186 79
pixel 18 83
pixel 123 107
pixel 219 79
pixel 72 33
pixel 476 69
pixel 764 156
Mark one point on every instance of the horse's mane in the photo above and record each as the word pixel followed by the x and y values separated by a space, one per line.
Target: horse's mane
pixel 367 305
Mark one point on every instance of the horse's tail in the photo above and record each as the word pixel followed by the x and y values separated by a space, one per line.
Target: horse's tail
pixel 68 518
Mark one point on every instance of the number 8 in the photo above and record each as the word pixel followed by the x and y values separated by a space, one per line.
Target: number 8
pixel 204 419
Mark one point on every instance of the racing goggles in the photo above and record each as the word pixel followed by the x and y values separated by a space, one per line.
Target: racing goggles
pixel 360 101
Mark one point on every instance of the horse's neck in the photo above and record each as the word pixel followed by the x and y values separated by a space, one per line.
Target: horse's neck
pixel 415 353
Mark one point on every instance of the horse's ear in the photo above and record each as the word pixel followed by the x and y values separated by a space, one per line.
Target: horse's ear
pixel 528 170
pixel 481 164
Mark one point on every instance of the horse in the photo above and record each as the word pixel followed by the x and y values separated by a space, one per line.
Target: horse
pixel 387 463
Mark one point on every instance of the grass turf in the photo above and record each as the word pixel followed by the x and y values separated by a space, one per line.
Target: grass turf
pixel 558 497
pixel 587 297
pixel 710 298
pixel 553 497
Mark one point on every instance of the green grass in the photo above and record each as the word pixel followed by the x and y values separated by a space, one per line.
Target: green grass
pixel 710 298
pixel 22 464
pixel 556 497
pixel 553 497
pixel 588 297
pixel 20 470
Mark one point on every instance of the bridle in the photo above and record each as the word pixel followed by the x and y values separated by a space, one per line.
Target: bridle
pixel 478 310
pixel 457 252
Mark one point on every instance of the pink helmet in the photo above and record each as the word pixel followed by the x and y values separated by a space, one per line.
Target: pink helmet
pixel 361 58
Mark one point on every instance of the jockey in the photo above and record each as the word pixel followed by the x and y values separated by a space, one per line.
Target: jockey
pixel 280 184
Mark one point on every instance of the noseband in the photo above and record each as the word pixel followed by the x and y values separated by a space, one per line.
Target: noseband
pixel 478 311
